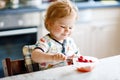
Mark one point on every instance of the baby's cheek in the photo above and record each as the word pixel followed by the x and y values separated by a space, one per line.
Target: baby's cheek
pixel 58 30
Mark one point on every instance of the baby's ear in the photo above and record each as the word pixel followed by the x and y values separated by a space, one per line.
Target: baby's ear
pixel 48 25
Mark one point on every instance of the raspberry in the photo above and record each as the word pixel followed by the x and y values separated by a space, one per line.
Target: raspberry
pixel 80 60
pixel 85 60
pixel 81 57
pixel 90 61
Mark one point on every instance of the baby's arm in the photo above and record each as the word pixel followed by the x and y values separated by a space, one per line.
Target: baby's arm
pixel 40 56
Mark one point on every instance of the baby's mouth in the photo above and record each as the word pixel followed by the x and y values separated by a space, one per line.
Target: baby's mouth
pixel 66 34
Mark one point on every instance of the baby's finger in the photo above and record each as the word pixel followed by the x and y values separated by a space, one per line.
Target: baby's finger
pixel 61 57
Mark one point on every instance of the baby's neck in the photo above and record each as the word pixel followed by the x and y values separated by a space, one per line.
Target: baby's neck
pixel 61 41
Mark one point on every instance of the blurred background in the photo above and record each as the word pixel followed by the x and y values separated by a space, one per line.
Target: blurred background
pixel 97 31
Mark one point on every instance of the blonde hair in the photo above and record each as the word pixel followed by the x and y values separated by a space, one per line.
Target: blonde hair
pixel 59 9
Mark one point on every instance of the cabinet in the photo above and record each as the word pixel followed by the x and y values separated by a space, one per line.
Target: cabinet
pixel 97 32
pixel 20 29
pixel 19 20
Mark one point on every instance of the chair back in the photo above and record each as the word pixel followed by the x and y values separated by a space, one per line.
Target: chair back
pixel 20 66
pixel 29 63
pixel 13 67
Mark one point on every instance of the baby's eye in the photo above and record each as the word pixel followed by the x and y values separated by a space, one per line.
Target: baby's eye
pixel 66 27
pixel 70 27
pixel 62 26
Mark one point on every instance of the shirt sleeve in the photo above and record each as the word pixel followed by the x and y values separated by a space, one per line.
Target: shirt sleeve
pixel 42 44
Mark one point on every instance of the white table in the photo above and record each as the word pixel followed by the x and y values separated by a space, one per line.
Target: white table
pixel 106 69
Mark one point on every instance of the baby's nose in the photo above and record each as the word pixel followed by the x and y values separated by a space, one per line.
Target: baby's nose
pixel 67 29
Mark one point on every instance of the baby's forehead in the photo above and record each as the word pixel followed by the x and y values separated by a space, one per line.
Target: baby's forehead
pixel 65 23
pixel 66 19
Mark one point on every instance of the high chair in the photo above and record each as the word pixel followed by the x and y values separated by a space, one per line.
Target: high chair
pixel 20 66
pixel 13 67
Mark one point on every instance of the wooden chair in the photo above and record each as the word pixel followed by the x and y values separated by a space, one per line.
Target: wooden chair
pixel 13 67
pixel 31 66
pixel 20 66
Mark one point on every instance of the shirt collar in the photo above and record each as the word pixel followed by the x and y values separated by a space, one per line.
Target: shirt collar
pixel 58 41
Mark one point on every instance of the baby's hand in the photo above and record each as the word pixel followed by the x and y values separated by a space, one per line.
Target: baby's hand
pixel 58 57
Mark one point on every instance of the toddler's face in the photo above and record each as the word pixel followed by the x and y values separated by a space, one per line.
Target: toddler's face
pixel 62 28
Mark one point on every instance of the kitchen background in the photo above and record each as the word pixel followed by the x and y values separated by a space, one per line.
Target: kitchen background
pixel 97 31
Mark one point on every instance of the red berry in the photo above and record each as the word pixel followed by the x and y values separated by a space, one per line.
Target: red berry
pixel 81 57
pixel 80 60
pixel 90 61
pixel 85 60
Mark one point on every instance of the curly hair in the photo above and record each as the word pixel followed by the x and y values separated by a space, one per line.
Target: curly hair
pixel 59 9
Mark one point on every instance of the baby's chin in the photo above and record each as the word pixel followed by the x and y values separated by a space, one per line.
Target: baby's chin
pixel 65 36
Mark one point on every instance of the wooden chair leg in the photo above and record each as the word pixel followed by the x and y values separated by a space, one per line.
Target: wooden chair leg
pixel 7 67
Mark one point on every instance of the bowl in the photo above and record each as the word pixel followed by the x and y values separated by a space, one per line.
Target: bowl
pixel 85 63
